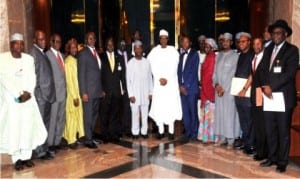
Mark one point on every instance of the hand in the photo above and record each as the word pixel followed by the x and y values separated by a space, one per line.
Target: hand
pixel 150 97
pixel 267 91
pixel 76 102
pixel 242 93
pixel 24 97
pixel 85 97
pixel 132 99
pixel 183 90
pixel 103 94
pixel 163 81
pixel 220 90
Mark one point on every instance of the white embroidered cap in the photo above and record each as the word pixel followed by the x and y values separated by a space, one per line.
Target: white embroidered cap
pixel 163 32
pixel 16 36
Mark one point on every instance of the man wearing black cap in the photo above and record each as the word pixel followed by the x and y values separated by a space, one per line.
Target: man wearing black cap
pixel 277 74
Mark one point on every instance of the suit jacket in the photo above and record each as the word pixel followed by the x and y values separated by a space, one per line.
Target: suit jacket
pixel 89 74
pixel 288 58
pixel 189 76
pixel 45 88
pixel 111 80
pixel 59 76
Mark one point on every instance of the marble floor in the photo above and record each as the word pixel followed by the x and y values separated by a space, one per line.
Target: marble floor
pixel 148 158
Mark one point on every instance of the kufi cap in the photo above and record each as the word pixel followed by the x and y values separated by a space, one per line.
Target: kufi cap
pixel 138 43
pixel 16 36
pixel 238 35
pixel 122 42
pixel 211 42
pixel 227 36
pixel 163 32
pixel 201 37
pixel 246 34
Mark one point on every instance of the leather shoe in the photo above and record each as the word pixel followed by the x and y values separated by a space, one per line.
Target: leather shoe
pixel 249 151
pixel 47 156
pixel 19 165
pixel 160 136
pixel 171 137
pixel 91 145
pixel 256 157
pixel 145 136
pixel 134 137
pixel 28 163
pixel 280 169
pixel 73 145
pixel 267 163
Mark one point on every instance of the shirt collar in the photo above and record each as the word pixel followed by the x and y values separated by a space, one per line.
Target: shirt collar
pixel 42 50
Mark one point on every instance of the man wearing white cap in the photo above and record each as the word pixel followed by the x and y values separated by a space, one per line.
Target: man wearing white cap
pixel 139 86
pixel 21 124
pixel 166 104
pixel 227 126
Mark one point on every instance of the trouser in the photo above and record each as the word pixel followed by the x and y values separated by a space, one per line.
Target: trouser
pixel 278 126
pixel 190 115
pixel 127 116
pixel 22 154
pixel 161 127
pixel 243 106
pixel 90 114
pixel 45 110
pixel 259 127
pixel 57 122
pixel 135 128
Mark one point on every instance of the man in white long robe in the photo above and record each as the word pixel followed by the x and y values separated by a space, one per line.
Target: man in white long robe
pixel 21 124
pixel 166 104
pixel 139 87
pixel 227 126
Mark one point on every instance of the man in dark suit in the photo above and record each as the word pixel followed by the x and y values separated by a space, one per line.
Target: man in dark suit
pixel 89 77
pixel 189 90
pixel 114 86
pixel 45 90
pixel 278 75
pixel 58 108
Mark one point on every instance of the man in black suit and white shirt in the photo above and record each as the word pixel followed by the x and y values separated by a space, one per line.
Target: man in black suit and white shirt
pixel 114 86
pixel 277 74
pixel 89 77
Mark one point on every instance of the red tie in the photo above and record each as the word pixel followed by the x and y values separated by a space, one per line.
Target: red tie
pixel 60 62
pixel 95 55
pixel 254 63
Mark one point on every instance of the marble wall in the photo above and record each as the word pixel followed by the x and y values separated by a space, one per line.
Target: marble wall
pixel 16 17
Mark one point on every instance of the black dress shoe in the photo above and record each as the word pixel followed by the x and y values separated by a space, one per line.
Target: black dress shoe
pixel 171 137
pixel 28 163
pixel 73 145
pixel 160 136
pixel 249 151
pixel 47 156
pixel 256 157
pixel 267 163
pixel 19 165
pixel 280 169
pixel 134 137
pixel 91 145
pixel 145 136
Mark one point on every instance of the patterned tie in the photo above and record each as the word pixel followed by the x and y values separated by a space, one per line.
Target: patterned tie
pixel 111 62
pixel 273 57
pixel 254 64
pixel 60 62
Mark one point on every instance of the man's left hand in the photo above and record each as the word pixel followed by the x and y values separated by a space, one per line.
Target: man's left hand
pixel 183 90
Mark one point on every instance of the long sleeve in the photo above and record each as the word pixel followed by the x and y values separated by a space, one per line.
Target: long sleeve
pixel 29 79
pixel 129 74
pixel 82 68
pixel 71 77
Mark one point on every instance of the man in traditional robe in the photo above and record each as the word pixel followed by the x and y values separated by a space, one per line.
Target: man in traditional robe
pixel 139 86
pixel 166 104
pixel 227 126
pixel 21 124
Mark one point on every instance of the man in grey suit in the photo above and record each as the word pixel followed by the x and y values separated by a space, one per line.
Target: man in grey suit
pixel 45 90
pixel 58 108
pixel 89 76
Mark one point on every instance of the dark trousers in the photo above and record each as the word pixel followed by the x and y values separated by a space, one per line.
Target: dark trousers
pixel 126 114
pixel 91 114
pixel 259 127
pixel 278 126
pixel 190 115
pixel 243 106
pixel 110 120
pixel 45 110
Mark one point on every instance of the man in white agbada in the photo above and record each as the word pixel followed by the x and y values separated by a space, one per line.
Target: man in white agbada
pixel 166 104
pixel 139 86
pixel 21 125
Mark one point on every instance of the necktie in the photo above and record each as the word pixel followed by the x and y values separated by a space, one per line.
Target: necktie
pixel 111 62
pixel 254 64
pixel 95 55
pixel 274 53
pixel 60 62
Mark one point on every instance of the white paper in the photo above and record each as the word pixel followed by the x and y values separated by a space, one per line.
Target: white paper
pixel 276 104
pixel 237 84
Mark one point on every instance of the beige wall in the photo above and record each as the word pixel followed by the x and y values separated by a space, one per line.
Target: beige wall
pixel 16 17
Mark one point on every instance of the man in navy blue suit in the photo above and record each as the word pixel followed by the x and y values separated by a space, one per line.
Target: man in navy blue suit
pixel 189 87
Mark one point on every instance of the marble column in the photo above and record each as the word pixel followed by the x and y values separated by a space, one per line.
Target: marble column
pixel 3 26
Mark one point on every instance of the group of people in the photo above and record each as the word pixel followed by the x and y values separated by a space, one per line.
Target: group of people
pixel 48 96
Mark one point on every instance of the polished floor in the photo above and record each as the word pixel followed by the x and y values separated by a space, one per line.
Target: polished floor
pixel 148 158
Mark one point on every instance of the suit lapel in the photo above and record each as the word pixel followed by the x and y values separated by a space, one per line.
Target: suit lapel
pixel 279 55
